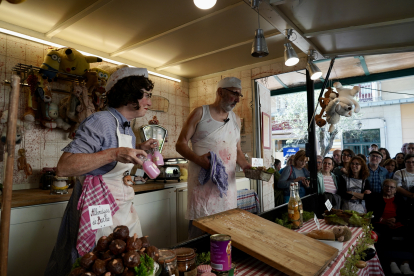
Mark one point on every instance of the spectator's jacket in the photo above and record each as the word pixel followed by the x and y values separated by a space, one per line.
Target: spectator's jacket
pixel 321 185
pixel 375 202
pixel 382 174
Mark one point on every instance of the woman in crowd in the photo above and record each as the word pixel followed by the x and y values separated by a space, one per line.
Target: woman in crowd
pixel 390 166
pixel 288 163
pixel 399 157
pixel 327 184
pixel 319 160
pixel 342 169
pixel 389 218
pixel 386 155
pixel 405 177
pixel 354 184
pixel 295 173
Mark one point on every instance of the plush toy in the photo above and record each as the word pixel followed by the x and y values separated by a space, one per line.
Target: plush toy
pixel 127 179
pixel 86 107
pixel 50 65
pixel 346 96
pixel 341 233
pixel 73 62
pixel 99 93
pixel 329 96
pixel 110 68
pixel 103 75
pixel 50 112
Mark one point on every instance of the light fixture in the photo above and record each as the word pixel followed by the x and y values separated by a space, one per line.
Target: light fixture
pixel 205 4
pixel 291 58
pixel 259 47
pixel 314 72
pixel 41 41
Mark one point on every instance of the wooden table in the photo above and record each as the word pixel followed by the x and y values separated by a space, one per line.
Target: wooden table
pixel 252 266
pixel 277 246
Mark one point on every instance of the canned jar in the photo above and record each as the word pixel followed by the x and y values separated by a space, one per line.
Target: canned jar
pixel 168 262
pixel 186 261
pixel 220 252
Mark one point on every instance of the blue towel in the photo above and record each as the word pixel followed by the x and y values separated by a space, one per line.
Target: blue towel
pixel 217 173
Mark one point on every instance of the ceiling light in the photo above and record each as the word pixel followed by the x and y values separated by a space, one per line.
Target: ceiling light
pixel 45 42
pixel 314 72
pixel 291 58
pixel 259 47
pixel 205 4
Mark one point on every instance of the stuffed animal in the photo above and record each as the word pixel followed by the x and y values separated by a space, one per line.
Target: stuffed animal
pixel 73 62
pixel 50 112
pixel 103 75
pixel 341 233
pixel 127 179
pixel 110 68
pixel 346 96
pixel 22 163
pixel 329 96
pixel 50 66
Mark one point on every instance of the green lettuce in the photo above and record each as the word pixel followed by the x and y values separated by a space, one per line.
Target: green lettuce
pixel 146 266
pixel 334 219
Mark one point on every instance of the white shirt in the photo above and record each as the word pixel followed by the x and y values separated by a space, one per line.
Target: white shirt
pixel 408 179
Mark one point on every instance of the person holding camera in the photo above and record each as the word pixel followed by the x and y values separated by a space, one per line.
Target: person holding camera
pixel 295 173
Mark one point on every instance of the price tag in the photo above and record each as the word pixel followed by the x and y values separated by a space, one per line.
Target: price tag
pixel 100 216
pixel 315 218
pixel 328 205
pixel 257 162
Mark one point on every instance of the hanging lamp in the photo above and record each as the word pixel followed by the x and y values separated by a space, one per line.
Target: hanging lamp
pixel 259 47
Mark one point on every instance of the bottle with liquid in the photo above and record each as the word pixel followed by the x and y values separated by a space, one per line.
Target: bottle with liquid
pixel 293 208
pixel 297 196
pixel 149 167
pixel 157 157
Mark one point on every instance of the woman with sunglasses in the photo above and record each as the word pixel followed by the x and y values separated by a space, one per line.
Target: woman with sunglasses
pixel 405 177
pixel 399 157
pixel 342 169
pixel 354 184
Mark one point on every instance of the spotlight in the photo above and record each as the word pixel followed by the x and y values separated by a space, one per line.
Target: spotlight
pixel 314 72
pixel 259 47
pixel 205 4
pixel 291 58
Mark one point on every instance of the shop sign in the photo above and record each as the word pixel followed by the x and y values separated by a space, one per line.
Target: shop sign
pixel 289 151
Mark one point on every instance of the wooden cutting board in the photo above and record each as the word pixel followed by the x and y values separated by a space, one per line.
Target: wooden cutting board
pixel 269 242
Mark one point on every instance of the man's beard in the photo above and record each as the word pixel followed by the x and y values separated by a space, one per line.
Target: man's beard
pixel 228 107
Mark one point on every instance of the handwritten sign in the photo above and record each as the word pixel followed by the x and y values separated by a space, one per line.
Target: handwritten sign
pixel 257 162
pixel 315 218
pixel 100 216
pixel 328 205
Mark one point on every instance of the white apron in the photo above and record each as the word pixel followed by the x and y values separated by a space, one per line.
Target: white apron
pixel 221 138
pixel 123 194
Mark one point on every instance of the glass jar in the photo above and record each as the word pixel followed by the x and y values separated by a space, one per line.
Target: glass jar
pixel 186 261
pixel 168 262
pixel 59 186
pixel 47 178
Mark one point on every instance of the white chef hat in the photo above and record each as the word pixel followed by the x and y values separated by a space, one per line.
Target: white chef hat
pixel 123 73
pixel 229 82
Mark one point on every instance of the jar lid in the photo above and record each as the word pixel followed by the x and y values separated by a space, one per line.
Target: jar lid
pixel 61 178
pixel 166 256
pixel 184 253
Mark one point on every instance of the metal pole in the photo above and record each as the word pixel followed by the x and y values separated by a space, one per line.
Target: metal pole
pixel 257 136
pixel 8 179
pixel 311 145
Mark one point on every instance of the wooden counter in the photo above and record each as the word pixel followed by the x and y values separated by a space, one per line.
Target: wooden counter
pixel 30 197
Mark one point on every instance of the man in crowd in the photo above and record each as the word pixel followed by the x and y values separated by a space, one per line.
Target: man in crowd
pixel 319 160
pixel 214 131
pixel 410 148
pixel 404 148
pixel 377 174
pixel 337 157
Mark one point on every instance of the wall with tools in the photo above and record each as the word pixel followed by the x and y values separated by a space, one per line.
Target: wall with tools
pixel 41 145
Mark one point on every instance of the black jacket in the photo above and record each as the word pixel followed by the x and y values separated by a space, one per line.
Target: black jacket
pixel 342 188
pixel 375 202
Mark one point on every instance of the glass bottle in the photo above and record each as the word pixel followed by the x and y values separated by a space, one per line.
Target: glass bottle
pixel 157 157
pixel 186 262
pixel 168 262
pixel 293 208
pixel 297 196
pixel 149 167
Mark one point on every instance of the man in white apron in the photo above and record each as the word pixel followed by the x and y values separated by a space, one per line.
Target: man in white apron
pixel 103 150
pixel 213 128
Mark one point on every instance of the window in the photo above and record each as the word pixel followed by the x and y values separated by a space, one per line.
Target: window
pixel 360 140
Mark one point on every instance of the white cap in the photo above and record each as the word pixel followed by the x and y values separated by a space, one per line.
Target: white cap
pixel 229 82
pixel 123 73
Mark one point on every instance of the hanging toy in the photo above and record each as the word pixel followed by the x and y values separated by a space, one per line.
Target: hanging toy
pixel 22 163
pixel 154 121
pixel 329 96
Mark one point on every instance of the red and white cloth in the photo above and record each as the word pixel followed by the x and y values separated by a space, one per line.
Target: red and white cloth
pixel 252 266
pixel 94 192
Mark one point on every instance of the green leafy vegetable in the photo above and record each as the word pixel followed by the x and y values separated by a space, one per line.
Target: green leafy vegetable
pixel 270 170
pixel 203 258
pixel 77 263
pixel 307 215
pixel 284 222
pixel 334 219
pixel 146 266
